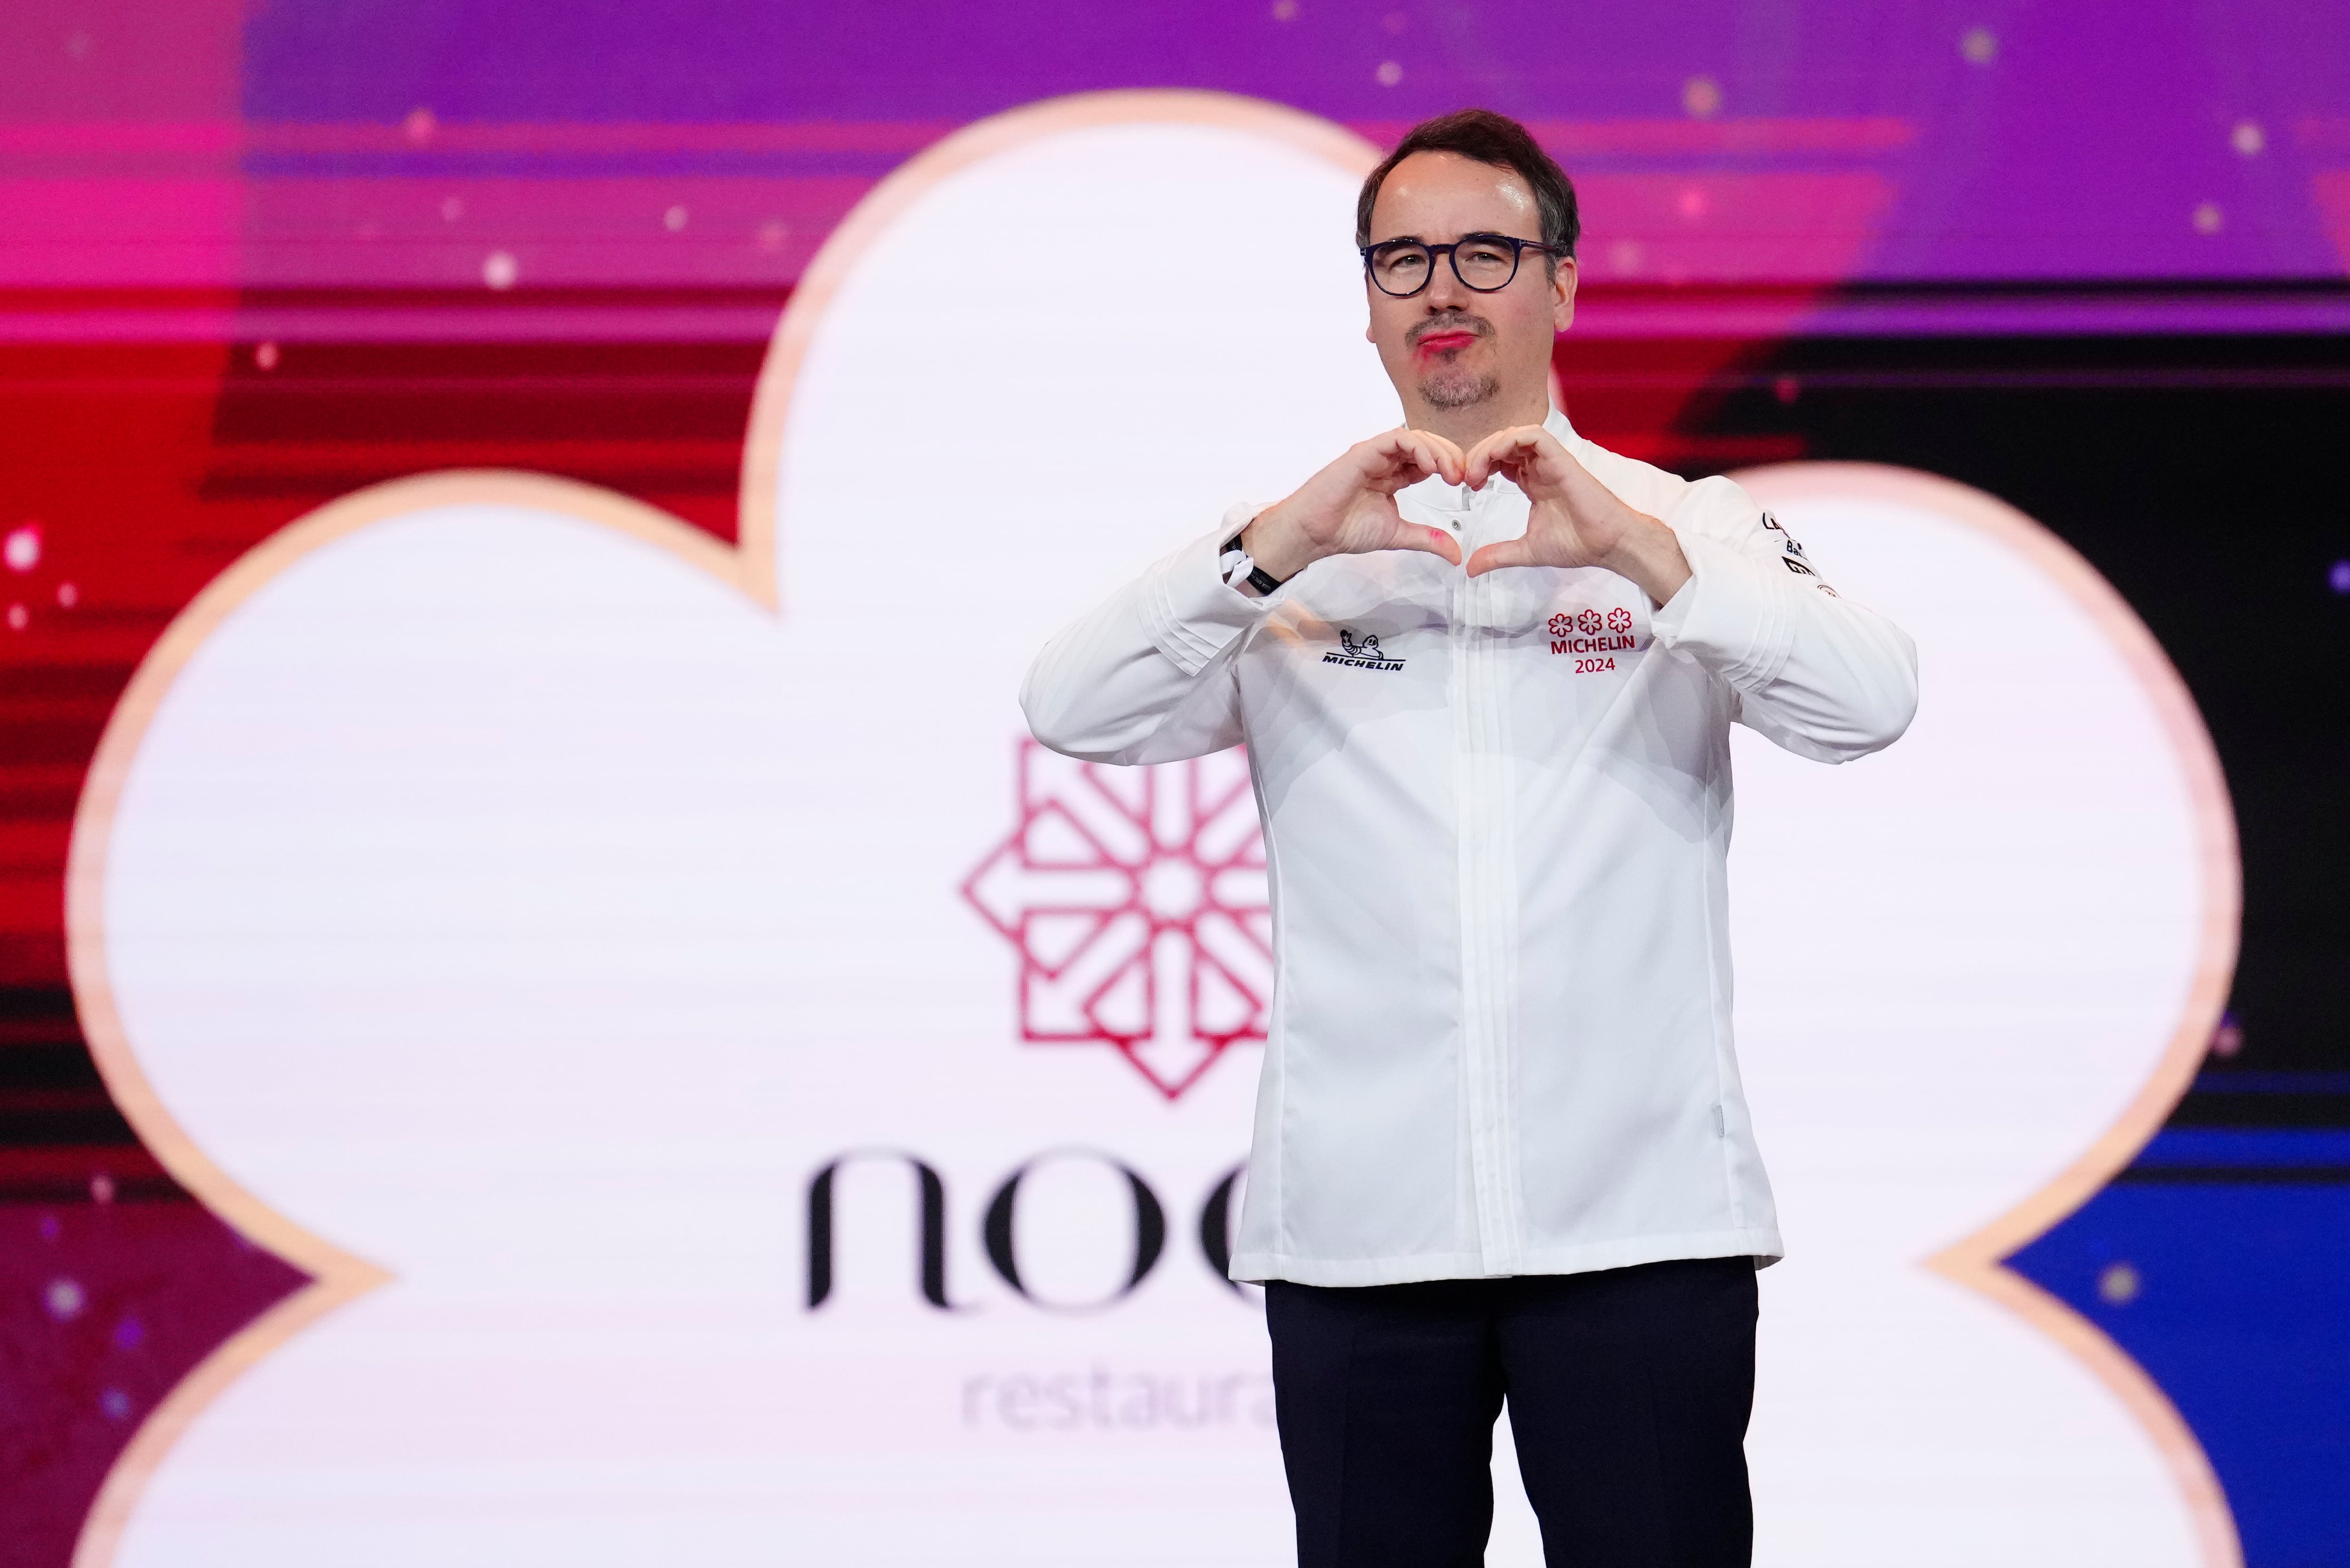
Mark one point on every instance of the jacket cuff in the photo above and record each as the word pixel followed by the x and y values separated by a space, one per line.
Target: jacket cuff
pixel 1731 617
pixel 1189 611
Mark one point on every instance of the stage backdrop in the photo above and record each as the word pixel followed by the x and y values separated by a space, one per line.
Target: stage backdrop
pixel 741 1102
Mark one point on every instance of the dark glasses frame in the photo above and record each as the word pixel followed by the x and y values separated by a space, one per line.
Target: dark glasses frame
pixel 1451 254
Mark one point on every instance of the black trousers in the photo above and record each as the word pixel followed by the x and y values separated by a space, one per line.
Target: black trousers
pixel 1628 1392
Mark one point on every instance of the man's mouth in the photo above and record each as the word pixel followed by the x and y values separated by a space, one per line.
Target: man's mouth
pixel 1447 342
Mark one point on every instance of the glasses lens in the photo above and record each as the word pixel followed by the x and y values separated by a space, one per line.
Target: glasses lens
pixel 1401 269
pixel 1486 261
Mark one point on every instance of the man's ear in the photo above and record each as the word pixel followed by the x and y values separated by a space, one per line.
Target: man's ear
pixel 1562 308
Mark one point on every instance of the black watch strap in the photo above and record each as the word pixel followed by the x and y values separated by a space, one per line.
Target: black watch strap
pixel 1260 579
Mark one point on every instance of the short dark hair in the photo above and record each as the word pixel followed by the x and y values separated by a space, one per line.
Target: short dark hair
pixel 1487 137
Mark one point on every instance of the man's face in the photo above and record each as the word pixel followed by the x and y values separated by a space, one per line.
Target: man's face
pixel 1449 347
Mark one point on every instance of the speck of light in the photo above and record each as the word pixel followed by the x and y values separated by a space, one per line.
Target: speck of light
pixel 419 125
pixel 265 356
pixel 674 219
pixel 1284 10
pixel 115 1403
pixel 64 1298
pixel 1389 73
pixel 2338 579
pixel 1979 46
pixel 2209 219
pixel 1702 96
pixel 2227 1036
pixel 499 270
pixel 2119 1284
pixel 23 549
pixel 2248 138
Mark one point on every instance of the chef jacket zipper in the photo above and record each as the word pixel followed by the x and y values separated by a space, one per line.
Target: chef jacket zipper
pixel 1488 911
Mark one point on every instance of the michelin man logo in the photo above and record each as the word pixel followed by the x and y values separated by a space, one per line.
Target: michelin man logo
pixel 502 900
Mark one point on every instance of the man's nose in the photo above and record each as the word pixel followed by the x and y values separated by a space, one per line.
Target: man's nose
pixel 1445 289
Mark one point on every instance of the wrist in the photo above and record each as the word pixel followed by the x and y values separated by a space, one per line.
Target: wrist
pixel 1242 573
pixel 1649 554
pixel 1278 552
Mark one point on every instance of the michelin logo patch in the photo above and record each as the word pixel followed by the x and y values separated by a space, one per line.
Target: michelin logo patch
pixel 1360 653
pixel 1792 554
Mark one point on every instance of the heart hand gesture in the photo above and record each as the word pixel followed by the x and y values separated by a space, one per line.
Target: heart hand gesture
pixel 1576 521
pixel 1349 508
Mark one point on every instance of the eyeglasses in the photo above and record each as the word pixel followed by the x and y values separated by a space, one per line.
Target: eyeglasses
pixel 1485 263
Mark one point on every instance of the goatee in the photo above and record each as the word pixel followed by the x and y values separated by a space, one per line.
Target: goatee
pixel 1457 390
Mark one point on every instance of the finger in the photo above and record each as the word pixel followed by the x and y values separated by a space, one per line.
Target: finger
pixel 1403 442
pixel 1508 553
pixel 1409 460
pixel 1451 461
pixel 1435 541
pixel 1484 459
pixel 1393 461
pixel 1423 455
pixel 1431 454
pixel 1501 452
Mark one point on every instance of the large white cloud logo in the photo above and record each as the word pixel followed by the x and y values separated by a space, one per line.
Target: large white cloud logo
pixel 549 928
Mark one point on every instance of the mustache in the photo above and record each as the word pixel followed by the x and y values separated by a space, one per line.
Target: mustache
pixel 1451 321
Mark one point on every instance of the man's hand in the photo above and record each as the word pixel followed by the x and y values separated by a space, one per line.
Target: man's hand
pixel 1576 521
pixel 1349 508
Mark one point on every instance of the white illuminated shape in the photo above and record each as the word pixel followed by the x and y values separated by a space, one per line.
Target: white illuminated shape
pixel 1973 975
pixel 489 898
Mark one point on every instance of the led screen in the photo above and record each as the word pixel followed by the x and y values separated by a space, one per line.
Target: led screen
pixel 738 1100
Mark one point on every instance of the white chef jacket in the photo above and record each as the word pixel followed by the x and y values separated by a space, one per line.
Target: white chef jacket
pixel 1497 818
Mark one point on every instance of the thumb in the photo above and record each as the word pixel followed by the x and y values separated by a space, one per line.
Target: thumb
pixel 1508 553
pixel 1435 541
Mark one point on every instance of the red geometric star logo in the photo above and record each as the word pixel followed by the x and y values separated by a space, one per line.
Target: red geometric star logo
pixel 1137 899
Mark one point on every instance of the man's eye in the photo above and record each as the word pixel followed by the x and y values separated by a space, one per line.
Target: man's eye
pixel 1487 253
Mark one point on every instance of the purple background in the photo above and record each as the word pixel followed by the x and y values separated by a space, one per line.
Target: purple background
pixel 204 143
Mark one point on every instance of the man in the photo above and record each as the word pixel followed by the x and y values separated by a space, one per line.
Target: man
pixel 1485 672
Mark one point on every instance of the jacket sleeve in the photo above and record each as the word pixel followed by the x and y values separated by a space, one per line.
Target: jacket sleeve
pixel 1148 677
pixel 1823 677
